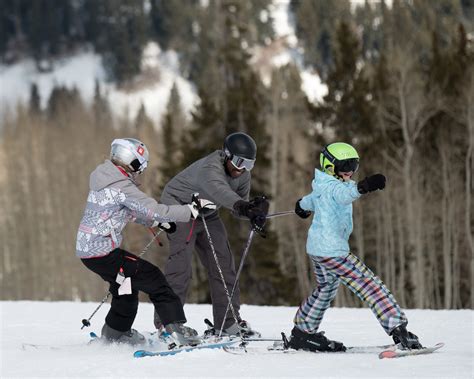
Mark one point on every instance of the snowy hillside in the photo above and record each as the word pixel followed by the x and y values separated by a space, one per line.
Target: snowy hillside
pixel 160 69
pixel 58 324
pixel 82 70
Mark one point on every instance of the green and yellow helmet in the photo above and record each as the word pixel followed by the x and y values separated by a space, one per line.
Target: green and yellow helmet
pixel 339 157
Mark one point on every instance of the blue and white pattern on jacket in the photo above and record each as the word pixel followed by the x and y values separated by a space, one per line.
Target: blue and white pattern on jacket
pixel 331 202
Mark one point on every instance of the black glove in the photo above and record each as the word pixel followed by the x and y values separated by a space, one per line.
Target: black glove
pixel 168 227
pixel 242 207
pixel 300 211
pixel 256 210
pixel 261 203
pixel 258 218
pixel 371 183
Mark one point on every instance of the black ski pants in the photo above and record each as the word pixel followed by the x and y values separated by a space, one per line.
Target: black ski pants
pixel 145 277
pixel 178 269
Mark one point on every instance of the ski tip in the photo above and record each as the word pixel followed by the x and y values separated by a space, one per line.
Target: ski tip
pixel 140 354
pixel 387 354
pixel 406 353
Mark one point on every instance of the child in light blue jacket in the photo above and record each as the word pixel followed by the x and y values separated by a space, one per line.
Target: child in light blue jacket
pixel 328 247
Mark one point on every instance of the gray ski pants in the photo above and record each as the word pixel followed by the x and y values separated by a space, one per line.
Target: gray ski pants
pixel 178 269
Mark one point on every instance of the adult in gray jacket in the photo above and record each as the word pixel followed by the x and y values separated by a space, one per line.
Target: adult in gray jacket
pixel 222 177
pixel 113 201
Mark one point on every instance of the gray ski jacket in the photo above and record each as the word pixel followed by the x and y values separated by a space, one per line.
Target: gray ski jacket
pixel 115 200
pixel 207 176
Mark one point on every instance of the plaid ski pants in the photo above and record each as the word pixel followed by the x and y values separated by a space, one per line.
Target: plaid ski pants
pixel 355 275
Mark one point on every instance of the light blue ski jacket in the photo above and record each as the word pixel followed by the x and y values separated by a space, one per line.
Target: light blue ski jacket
pixel 331 202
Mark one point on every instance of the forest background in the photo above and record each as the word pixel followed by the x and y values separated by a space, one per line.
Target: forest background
pixel 400 88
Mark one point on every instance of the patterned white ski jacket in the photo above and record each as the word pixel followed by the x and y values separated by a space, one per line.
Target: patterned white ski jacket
pixel 115 200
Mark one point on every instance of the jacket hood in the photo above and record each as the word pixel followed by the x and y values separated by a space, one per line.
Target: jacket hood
pixel 104 175
pixel 321 181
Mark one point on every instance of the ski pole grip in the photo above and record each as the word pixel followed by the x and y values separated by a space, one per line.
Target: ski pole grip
pixel 195 201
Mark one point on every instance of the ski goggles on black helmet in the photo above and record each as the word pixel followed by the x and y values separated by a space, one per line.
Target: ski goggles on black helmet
pixel 241 163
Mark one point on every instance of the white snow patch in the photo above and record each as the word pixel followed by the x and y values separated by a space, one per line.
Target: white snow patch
pixel 81 70
pixel 361 3
pixel 58 324
pixel 283 25
pixel 312 86
pixel 155 96
pixel 284 50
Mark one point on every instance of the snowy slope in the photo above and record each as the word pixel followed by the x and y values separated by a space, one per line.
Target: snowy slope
pixel 81 70
pixel 160 71
pixel 58 323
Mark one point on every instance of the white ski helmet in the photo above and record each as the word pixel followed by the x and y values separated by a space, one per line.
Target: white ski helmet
pixel 129 153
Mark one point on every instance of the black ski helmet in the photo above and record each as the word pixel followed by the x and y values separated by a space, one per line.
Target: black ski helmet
pixel 241 145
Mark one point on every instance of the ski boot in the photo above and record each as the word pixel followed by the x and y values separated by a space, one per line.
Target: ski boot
pixel 406 339
pixel 130 337
pixel 242 329
pixel 313 342
pixel 235 330
pixel 182 335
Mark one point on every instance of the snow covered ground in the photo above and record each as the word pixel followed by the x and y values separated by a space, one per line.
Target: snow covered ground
pixel 58 324
pixel 160 71
pixel 81 70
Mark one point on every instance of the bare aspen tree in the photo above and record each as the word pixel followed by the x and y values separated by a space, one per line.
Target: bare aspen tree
pixel 469 167
pixel 413 111
pixel 289 153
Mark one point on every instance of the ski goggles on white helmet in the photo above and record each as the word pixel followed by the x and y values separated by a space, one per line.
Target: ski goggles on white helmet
pixel 242 163
pixel 131 152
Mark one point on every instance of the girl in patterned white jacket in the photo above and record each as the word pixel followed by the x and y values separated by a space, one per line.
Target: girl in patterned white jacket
pixel 113 201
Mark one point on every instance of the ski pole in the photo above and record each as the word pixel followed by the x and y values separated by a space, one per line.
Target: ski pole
pixel 155 237
pixel 279 214
pixel 195 200
pixel 271 215
pixel 218 266
pixel 244 255
pixel 86 322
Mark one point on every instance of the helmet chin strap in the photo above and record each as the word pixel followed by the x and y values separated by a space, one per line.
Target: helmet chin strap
pixel 330 170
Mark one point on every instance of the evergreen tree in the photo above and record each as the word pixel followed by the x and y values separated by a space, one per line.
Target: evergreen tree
pixel 232 99
pixel 142 121
pixel 93 13
pixel 172 22
pixel 347 107
pixel 61 101
pixel 35 100
pixel 101 108
pixel 48 28
pixel 372 36
pixel 208 33
pixel 124 27
pixel 173 127
pixel 316 23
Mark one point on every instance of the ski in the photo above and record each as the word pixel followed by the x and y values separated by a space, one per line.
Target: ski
pixel 39 346
pixel 153 341
pixel 278 348
pixel 163 353
pixel 408 353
